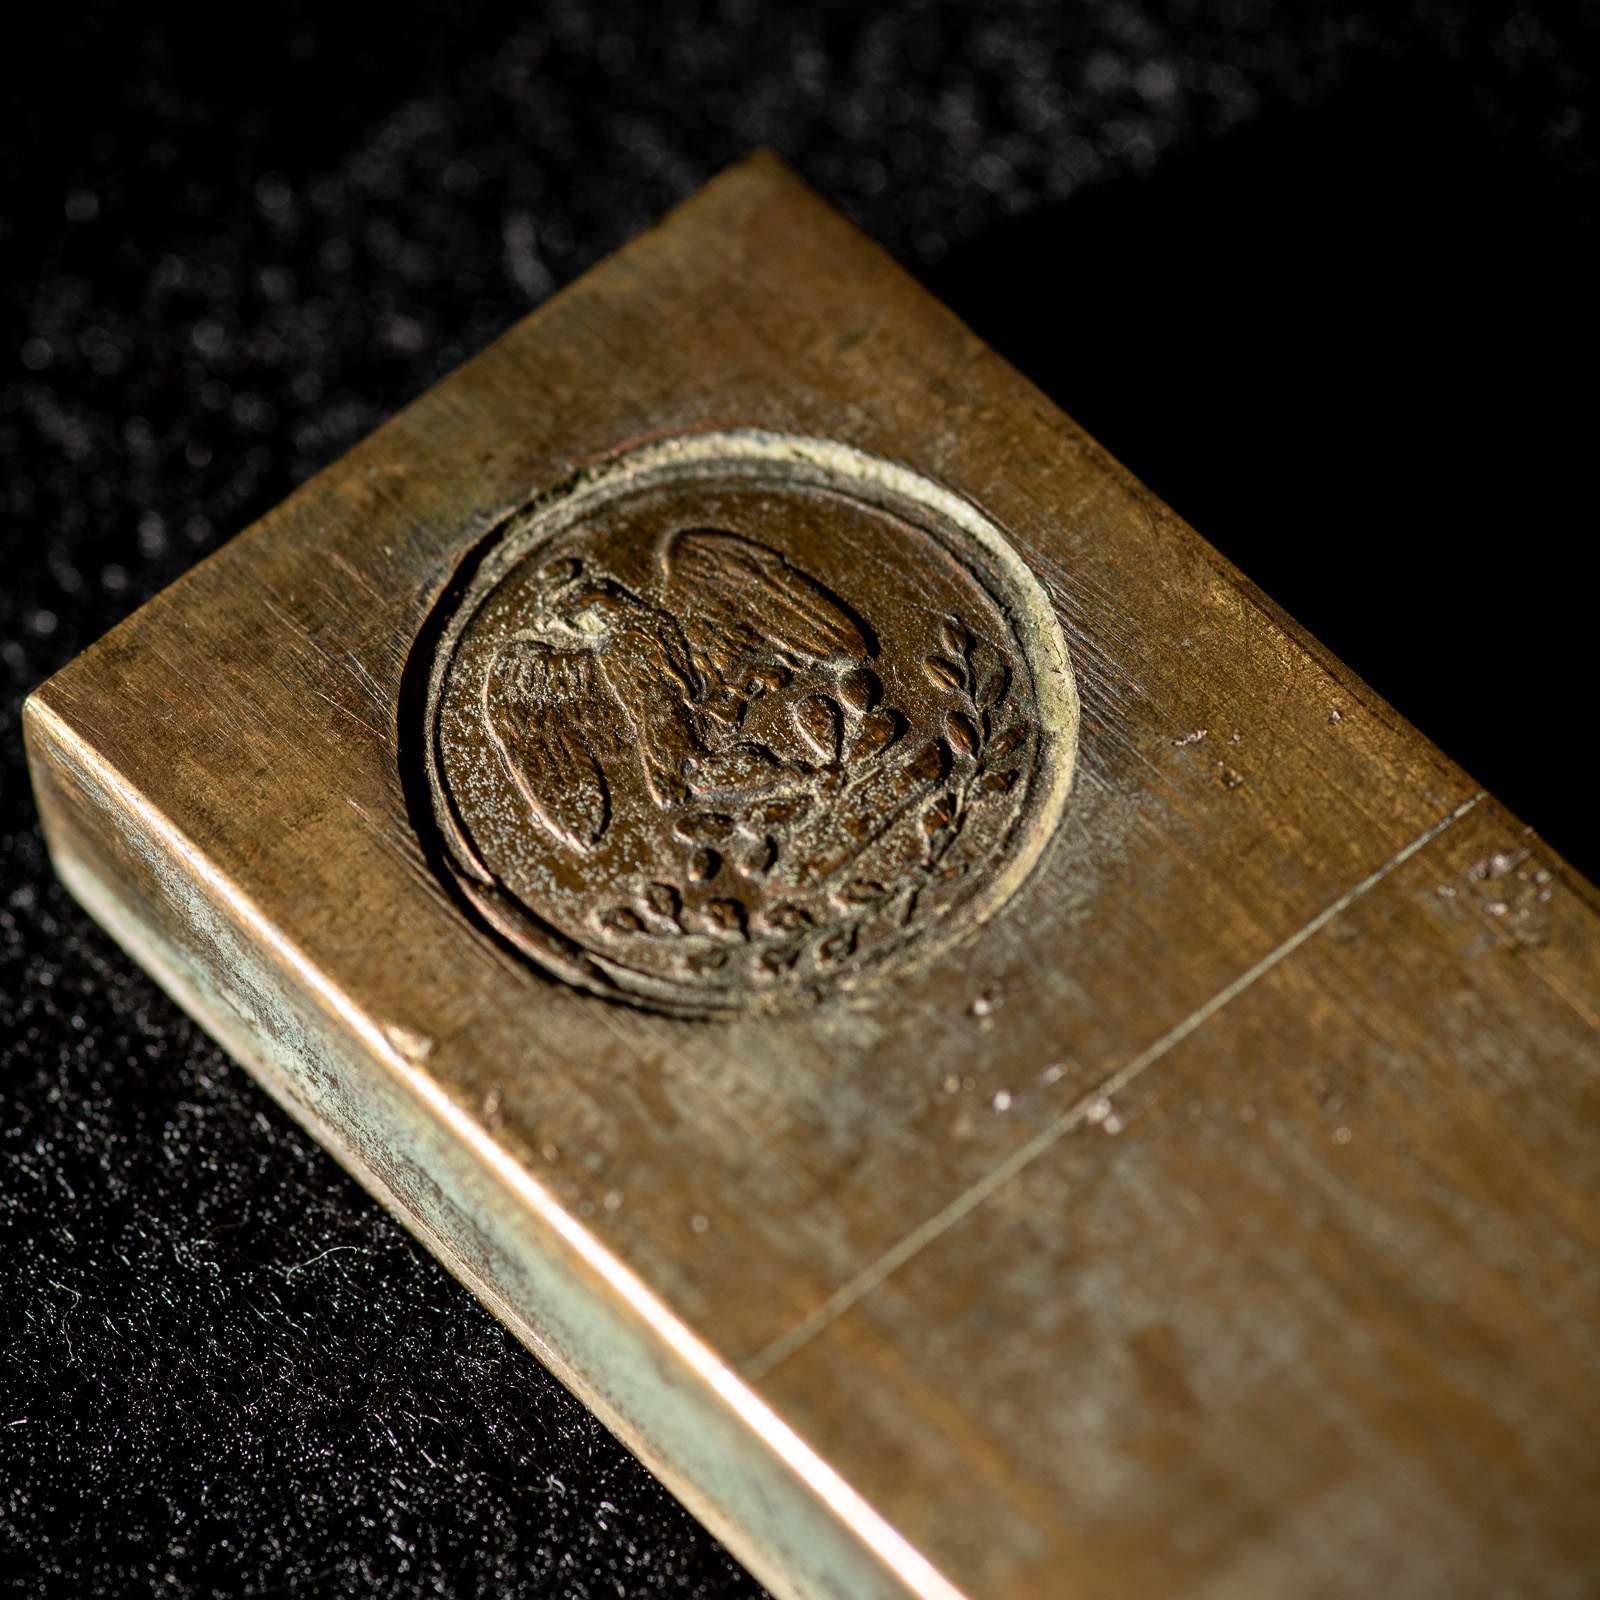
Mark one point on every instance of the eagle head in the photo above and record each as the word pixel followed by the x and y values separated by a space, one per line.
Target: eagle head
pixel 592 610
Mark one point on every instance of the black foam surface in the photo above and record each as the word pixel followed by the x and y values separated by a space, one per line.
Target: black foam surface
pixel 1321 273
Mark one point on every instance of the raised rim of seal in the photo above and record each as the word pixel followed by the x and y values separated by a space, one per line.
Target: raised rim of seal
pixel 803 461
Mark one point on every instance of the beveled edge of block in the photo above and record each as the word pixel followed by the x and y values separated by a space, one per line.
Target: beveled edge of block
pixel 695 1422
pixel 699 1426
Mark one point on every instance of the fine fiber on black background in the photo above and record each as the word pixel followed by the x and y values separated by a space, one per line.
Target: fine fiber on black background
pixel 1322 274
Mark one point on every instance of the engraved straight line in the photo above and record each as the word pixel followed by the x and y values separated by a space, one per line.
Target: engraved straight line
pixel 865 1281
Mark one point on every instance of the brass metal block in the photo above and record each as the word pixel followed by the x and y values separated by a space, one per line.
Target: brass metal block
pixel 993 1063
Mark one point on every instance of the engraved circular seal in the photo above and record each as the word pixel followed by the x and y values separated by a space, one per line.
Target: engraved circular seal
pixel 739 720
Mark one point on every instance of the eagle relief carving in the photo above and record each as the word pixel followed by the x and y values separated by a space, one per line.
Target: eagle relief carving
pixel 667 685
pixel 731 738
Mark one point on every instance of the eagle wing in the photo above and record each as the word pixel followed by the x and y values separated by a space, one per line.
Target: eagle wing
pixel 546 709
pixel 736 599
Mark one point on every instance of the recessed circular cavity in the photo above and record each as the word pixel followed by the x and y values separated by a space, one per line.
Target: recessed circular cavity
pixel 739 720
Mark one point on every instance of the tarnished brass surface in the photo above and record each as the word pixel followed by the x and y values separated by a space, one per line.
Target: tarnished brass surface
pixel 995 1064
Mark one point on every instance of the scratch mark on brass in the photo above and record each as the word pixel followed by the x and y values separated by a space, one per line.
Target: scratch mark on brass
pixel 739 721
pixel 1095 1106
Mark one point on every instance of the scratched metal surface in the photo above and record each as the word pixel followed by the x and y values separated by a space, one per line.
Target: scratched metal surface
pixel 225 1369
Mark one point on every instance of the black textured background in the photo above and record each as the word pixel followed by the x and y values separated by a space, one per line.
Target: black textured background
pixel 1322 274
